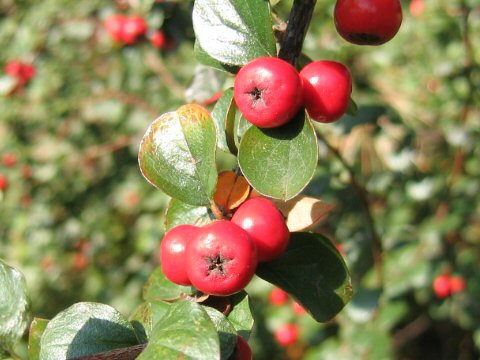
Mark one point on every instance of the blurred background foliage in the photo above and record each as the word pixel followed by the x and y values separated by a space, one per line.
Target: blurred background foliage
pixel 82 224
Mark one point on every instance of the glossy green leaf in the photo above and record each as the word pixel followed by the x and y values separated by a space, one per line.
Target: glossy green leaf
pixel 179 213
pixel 14 306
pixel 146 315
pixel 224 108
pixel 241 315
pixel 226 332
pixel 205 83
pixel 84 329
pixel 203 57
pixel 37 327
pixel 313 272
pixel 185 332
pixel 234 31
pixel 177 154
pixel 279 162
pixel 158 288
pixel 352 109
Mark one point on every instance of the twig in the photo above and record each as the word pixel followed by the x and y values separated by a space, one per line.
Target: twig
pixel 411 331
pixel 362 196
pixel 300 16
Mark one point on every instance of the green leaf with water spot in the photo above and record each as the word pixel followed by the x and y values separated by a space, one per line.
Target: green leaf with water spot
pixel 177 154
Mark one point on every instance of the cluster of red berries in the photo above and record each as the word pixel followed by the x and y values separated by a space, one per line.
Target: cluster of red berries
pixel 269 91
pixel 220 258
pixel 445 285
pixel 22 72
pixel 131 29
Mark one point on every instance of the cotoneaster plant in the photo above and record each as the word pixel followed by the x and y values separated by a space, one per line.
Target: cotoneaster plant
pixel 368 22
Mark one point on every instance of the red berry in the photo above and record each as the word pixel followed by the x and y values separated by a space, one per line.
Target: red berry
pixel 457 284
pixel 417 7
pixel 27 72
pixel 268 92
pixel 114 25
pixel 13 68
pixel 3 182
pixel 261 219
pixel 158 40
pixel 441 286
pixel 133 28
pixel 243 351
pixel 278 297
pixel 368 22
pixel 298 309
pixel 287 334
pixel 9 159
pixel 221 259
pixel 327 86
pixel 172 253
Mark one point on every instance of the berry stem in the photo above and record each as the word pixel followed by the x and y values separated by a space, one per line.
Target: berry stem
pixel 298 22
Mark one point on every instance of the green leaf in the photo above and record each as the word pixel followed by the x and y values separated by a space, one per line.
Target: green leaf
pixel 85 329
pixel 177 154
pixel 234 31
pixel 146 316
pixel 37 327
pixel 179 213
pixel 313 272
pixel 203 57
pixel 241 314
pixel 279 162
pixel 224 108
pixel 158 287
pixel 226 332
pixel 205 83
pixel 185 332
pixel 14 306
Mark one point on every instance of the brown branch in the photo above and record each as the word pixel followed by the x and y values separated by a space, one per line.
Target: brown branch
pixel 128 353
pixel 102 149
pixel 411 331
pixel 300 16
pixel 362 196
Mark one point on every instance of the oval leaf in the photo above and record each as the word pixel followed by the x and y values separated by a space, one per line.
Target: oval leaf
pixel 313 272
pixel 179 213
pixel 241 315
pixel 185 332
pixel 158 287
pixel 146 316
pixel 224 108
pixel 177 154
pixel 85 329
pixel 226 332
pixel 14 306
pixel 234 32
pixel 279 162
pixel 37 327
